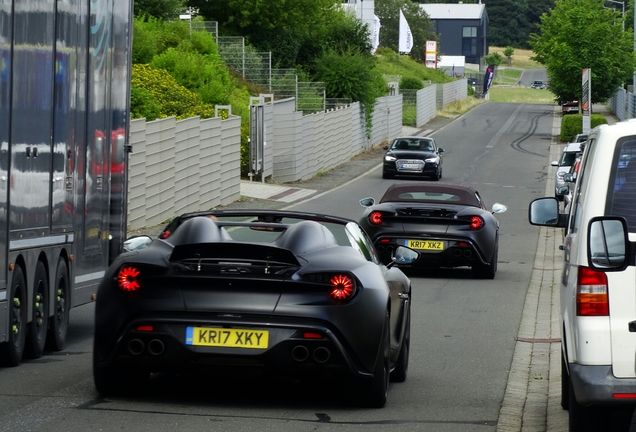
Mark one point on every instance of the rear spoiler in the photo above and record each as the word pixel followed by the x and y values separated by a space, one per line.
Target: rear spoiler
pixel 234 251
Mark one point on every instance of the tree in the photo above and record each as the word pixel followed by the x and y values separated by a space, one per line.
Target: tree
pixel 421 27
pixel 494 59
pixel 163 9
pixel 509 52
pixel 579 34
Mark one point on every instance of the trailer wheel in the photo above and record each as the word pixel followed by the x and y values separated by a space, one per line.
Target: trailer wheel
pixel 58 324
pixel 39 319
pixel 12 350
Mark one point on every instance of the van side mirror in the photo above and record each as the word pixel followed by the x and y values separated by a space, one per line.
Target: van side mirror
pixel 545 212
pixel 608 246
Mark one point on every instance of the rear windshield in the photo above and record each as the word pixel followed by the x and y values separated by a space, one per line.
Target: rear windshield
pixel 568 158
pixel 622 195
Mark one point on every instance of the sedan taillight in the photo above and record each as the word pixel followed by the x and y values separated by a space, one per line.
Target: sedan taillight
pixel 592 297
pixel 127 279
pixel 476 222
pixel 375 218
pixel 343 287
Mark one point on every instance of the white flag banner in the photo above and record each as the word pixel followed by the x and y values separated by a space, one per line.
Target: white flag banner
pixel 406 37
pixel 376 33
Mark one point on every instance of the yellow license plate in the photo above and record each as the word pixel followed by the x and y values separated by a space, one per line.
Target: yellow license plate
pixel 226 337
pixel 426 244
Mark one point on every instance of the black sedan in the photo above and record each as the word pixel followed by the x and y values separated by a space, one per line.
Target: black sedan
pixel 243 291
pixel 413 156
pixel 448 224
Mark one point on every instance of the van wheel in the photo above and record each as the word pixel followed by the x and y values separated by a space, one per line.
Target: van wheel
pixel 582 418
pixel 565 384
pixel 39 318
pixel 58 324
pixel 12 350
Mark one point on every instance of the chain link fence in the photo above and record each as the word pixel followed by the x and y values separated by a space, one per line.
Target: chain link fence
pixel 207 26
pixel 284 83
pixel 310 97
pixel 232 51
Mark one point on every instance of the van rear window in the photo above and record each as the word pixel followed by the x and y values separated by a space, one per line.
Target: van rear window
pixel 622 201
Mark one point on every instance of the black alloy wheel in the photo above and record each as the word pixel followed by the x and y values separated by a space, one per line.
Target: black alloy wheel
pixel 12 350
pixel 58 324
pixel 38 326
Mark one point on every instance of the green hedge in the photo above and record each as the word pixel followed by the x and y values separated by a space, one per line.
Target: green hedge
pixel 572 124
pixel 162 90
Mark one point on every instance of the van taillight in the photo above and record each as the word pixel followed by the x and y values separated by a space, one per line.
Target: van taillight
pixel 592 298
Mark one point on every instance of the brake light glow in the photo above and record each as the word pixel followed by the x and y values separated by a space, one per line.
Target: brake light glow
pixel 145 328
pixel 342 287
pixel 375 218
pixel 624 395
pixel 476 222
pixel 311 335
pixel 592 297
pixel 127 279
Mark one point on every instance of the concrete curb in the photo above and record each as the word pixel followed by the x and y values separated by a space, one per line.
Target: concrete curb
pixel 532 398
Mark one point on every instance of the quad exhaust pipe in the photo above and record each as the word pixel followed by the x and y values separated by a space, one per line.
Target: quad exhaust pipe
pixel 300 353
pixel 136 347
pixel 156 347
pixel 322 355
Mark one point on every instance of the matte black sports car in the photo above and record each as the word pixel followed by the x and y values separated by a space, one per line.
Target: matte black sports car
pixel 269 291
pixel 413 156
pixel 448 224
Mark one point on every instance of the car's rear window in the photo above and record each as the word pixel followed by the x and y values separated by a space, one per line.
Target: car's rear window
pixel 622 194
pixel 568 158
pixel 431 193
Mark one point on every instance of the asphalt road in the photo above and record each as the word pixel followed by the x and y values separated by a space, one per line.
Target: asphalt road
pixel 530 75
pixel 463 329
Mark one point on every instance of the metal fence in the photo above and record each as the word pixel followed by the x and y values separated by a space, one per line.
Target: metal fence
pixel 232 51
pixel 310 97
pixel 208 26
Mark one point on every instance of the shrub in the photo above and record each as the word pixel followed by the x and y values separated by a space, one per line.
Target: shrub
pixel 411 83
pixel 205 75
pixel 572 124
pixel 143 104
pixel 173 99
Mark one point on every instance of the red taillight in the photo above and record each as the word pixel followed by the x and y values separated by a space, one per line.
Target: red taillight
pixel 592 297
pixel 375 218
pixel 624 395
pixel 145 328
pixel 127 279
pixel 342 287
pixel 476 222
pixel 164 235
pixel 310 335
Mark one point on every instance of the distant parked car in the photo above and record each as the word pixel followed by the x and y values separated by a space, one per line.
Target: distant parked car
pixel 570 107
pixel 568 158
pixel 538 84
pixel 580 138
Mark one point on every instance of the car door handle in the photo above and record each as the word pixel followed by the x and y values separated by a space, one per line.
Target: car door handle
pixel 403 296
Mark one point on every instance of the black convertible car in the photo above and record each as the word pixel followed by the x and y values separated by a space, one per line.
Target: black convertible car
pixel 273 292
pixel 448 224
pixel 413 156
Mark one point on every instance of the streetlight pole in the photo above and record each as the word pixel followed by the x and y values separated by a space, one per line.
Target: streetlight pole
pixel 622 3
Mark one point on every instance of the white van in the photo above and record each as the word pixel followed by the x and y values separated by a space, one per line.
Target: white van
pixel 598 284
